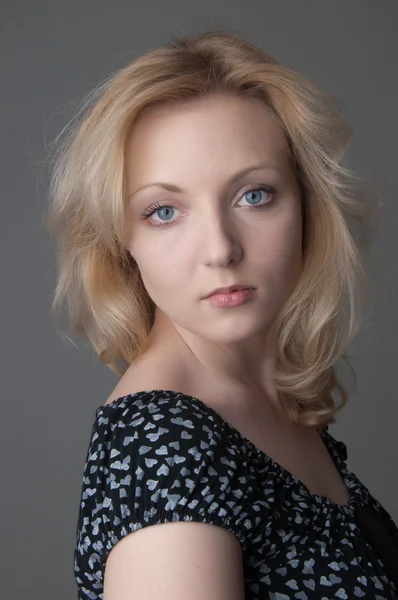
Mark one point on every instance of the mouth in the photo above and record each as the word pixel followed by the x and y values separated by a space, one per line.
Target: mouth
pixel 229 289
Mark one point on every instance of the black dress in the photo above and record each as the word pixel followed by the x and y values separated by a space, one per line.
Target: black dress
pixel 162 456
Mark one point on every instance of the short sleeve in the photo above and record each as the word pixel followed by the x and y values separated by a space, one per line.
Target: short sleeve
pixel 158 457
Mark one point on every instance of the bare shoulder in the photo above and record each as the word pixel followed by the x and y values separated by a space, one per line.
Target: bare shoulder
pixel 151 372
pixel 168 559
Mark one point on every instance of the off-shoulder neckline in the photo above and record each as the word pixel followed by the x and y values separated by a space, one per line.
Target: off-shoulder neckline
pixel 334 447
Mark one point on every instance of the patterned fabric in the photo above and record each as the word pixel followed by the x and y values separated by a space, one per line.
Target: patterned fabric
pixel 163 456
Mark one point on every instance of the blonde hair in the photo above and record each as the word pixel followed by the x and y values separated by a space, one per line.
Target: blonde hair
pixel 100 281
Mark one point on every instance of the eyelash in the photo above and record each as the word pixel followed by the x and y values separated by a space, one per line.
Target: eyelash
pixel 258 187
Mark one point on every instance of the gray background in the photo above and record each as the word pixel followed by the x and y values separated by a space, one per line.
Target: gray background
pixel 52 53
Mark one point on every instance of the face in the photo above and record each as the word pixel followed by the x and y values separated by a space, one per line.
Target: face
pixel 204 230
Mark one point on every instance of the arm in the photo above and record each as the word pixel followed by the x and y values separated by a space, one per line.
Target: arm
pixel 175 561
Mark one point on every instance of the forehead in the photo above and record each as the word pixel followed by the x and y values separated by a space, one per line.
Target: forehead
pixel 220 131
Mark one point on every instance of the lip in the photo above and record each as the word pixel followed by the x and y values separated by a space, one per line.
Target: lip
pixel 229 289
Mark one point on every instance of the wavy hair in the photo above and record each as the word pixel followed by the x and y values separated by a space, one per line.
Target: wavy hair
pixel 98 278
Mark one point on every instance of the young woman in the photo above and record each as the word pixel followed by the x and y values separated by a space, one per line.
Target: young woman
pixel 207 249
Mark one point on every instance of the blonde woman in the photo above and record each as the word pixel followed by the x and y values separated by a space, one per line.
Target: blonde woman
pixel 211 249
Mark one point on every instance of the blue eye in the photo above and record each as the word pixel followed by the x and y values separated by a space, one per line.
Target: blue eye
pixel 254 193
pixel 165 212
pixel 255 196
pixel 164 209
pixel 159 208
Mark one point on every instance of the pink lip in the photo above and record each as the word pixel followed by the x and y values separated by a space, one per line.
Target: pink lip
pixel 233 298
pixel 228 290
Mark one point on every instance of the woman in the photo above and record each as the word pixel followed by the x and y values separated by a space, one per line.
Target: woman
pixel 207 249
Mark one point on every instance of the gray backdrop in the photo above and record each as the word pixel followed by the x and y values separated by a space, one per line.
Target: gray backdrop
pixel 52 53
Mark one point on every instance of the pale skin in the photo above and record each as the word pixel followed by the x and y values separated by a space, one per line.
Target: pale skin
pixel 213 237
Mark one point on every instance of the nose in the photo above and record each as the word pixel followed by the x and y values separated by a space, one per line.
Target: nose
pixel 220 242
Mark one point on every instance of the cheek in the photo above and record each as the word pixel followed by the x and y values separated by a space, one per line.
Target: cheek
pixel 280 243
pixel 290 253
pixel 163 269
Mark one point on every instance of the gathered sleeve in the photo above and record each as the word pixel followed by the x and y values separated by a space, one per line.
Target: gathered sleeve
pixel 157 457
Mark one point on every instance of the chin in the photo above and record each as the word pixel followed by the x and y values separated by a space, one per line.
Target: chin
pixel 230 333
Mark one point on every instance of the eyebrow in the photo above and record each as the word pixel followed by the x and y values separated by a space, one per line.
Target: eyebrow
pixel 236 177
